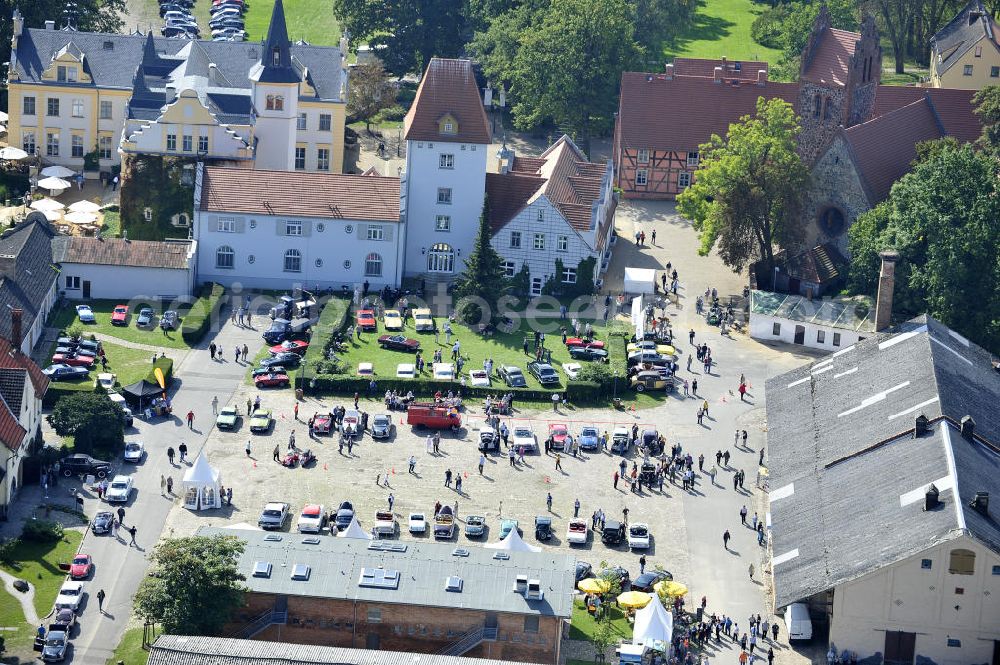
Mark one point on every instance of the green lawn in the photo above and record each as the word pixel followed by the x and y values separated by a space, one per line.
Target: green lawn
pixel 38 563
pixel 311 20
pixel 582 625
pixel 154 336
pixel 722 28
pixel 130 365
pixel 130 650
pixel 330 320
pixel 20 639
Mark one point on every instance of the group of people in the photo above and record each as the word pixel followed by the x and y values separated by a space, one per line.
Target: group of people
pixel 215 351
pixel 396 402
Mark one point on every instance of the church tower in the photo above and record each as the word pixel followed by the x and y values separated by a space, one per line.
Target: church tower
pixel 275 97
pixel 865 74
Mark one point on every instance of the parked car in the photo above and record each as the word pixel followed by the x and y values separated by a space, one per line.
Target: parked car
pixel 406 371
pixel 64 619
pixel 85 314
pixel 583 571
pixel 443 371
pixel 571 370
pixel 134 450
pixel 168 320
pixel 523 436
pixel 106 381
pixel 391 320
pixel 649 380
pixel 434 416
pixel 638 536
pixel 651 345
pixel 296 346
pixel 312 519
pixel 80 350
pixel 120 489
pixel 506 526
pixel 478 378
pixel 287 359
pixel 417 523
pixel 55 645
pixel 81 566
pixel 648 358
pixel 557 436
pixel 577 532
pixel 381 426
pixel 102 522
pixel 613 532
pixel 366 320
pixel 619 574
pixel 385 524
pixel 475 526
pixel 71 594
pixel 589 439
pixel 544 372
pixel 75 359
pixel 64 372
pixel 398 343
pixel 145 318
pixel 366 370
pixel 227 418
pixel 119 317
pixel 273 379
pixel 578 341
pixel 261 420
pixel 274 515
pixel 543 527
pixel 422 320
pixel 84 465
pixel 345 513
pixel 488 440
pixel 621 440
pixel 444 524
pixel 512 376
pixel 587 353
pixel 646 581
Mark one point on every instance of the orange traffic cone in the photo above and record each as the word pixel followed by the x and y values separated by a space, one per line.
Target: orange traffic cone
pixel 394 471
pixel 547 479
pixel 255 465
pixel 324 467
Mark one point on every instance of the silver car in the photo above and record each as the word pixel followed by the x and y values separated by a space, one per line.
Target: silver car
pixel 382 426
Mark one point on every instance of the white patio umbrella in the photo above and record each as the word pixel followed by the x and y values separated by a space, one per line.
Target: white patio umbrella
pixel 58 171
pixel 80 217
pixel 46 204
pixel 84 206
pixel 12 153
pixel 53 184
pixel 51 215
pixel 3 129
pixel 3 116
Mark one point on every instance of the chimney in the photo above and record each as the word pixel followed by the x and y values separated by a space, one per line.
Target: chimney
pixel 718 74
pixel 761 77
pixel 50 25
pixel 670 71
pixel 521 584
pixel 931 500
pixel 15 328
pixel 968 427
pixel 886 284
pixel 919 426
pixel 981 503
pixel 534 591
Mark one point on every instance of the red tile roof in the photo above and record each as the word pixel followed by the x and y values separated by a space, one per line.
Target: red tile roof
pixel 448 88
pixel 121 252
pixel 705 67
pixel 508 194
pixel 953 107
pixel 831 61
pixel 343 196
pixel 682 113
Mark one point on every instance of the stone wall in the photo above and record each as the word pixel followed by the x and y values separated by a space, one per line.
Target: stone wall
pixel 818 130
pixel 835 184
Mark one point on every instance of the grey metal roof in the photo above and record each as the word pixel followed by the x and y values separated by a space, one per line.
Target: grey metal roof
pixel 115 67
pixel 181 650
pixel 26 272
pixel 969 26
pixel 423 569
pixel 847 476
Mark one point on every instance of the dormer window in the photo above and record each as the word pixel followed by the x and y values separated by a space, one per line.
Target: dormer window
pixel 447 125
pixel 449 128
pixel 64 73
pixel 276 57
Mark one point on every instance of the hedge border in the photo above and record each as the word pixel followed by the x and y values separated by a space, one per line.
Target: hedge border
pixel 199 316
pixel 578 392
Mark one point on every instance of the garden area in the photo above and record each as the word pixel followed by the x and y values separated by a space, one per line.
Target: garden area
pixel 722 28
pixel 66 318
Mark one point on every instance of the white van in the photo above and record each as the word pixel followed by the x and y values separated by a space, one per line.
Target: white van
pixel 797 621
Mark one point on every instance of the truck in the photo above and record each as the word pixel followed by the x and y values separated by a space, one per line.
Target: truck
pixel 385 524
pixel 290 307
pixel 282 329
pixel 444 524
pixel 434 416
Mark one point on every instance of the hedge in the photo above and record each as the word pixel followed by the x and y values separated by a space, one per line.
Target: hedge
pixel 202 312
pixel 166 365
pixel 578 392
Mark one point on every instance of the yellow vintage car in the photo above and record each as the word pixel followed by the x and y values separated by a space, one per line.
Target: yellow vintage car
pixel 650 345
pixel 391 320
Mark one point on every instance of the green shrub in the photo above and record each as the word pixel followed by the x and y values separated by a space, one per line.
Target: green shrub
pixel 767 28
pixel 198 318
pixel 390 114
pixel 7 548
pixel 166 366
pixel 42 531
pixel 577 392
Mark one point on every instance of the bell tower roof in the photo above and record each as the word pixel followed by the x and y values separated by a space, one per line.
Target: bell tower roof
pixel 275 64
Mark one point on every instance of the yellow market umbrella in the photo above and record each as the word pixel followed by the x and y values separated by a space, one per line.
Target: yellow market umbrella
pixel 670 588
pixel 634 599
pixel 593 585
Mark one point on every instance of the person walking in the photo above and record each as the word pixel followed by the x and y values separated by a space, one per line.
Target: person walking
pixel 725 539
pixel 211 350
pixel 642 564
pixel 558 462
pixel 190 419
pixel 615 480
pixel 183 450
pixel 392 500
pixel 121 516
pixel 131 532
pixel 770 656
pixel 576 508
pixel 100 601
pixel 774 631
pixel 751 570
pixel 295 410
pixel 248 448
pixel 743 515
pixel 413 464
pixel 170 485
pixel 458 484
pixel 215 405
pixel 482 463
pixel 701 462
pixel 548 501
pixel 163 484
pixel 277 453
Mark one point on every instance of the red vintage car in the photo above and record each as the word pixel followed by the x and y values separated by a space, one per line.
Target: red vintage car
pixel 81 567
pixel 398 343
pixel 271 380
pixel 579 341
pixel 119 317
pixel 73 359
pixel 366 320
pixel 291 345
pixel 557 435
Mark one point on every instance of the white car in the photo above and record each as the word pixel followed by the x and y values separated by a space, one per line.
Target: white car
pixel 70 595
pixel 134 450
pixel 523 436
pixel 572 370
pixel 444 371
pixel 638 536
pixel 478 378
pixel 576 532
pixel 119 490
pixel 418 523
pixel 406 371
pixel 385 524
pixel 85 314
pixel 106 380
pixel 311 519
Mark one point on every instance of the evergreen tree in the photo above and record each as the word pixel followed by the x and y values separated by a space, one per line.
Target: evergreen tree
pixel 483 276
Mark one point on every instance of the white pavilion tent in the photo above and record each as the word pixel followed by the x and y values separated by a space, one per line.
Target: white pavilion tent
pixel 354 530
pixel 640 280
pixel 201 485
pixel 513 543
pixel 653 623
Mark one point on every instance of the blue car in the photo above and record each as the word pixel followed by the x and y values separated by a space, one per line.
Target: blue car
pixel 589 438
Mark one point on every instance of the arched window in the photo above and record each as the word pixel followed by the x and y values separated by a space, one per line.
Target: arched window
pixel 373 265
pixel 225 257
pixel 276 56
pixel 293 261
pixel 441 258
pixel 827 108
pixel 817 105
pixel 275 103
pixel 962 562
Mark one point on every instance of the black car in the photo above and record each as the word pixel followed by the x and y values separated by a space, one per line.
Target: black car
pixel 59 372
pixel 78 350
pixel 613 532
pixel 587 353
pixel 583 570
pixel 544 372
pixel 512 376
pixel 102 522
pixel 284 359
pixel 345 513
pixel 80 464
pixel 616 573
pixel 647 580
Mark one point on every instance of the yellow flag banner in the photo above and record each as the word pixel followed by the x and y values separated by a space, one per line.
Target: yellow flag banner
pixel 158 373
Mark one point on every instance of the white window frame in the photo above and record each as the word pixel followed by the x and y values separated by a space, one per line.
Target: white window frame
pixel 107 110
pixel 642 156
pixel 172 142
pixel 515 240
pixel 202 143
pixel 442 223
pixel 322 159
pixel 221 251
pixel 441 258
pixel 227 225
pixel 373 265
pixel 104 146
pixel 569 275
pixel 538 241
pixel 29 142
pixel 446 161
pixel 76 145
pixel 293 228
pixel 300 158
pixel 683 180
pixel 325 122
pixel 693 158
pixel 52 144
pixel 72 282
pixel 562 243
pixel 292 261
pixel 444 196
pixel 302 122
pixel 187 143
pixel 33 101
pixel 967 70
pixel 509 268
pixel 76 107
pixel 52 103
pixel 641 177
pixel 536 286
pixel 376 232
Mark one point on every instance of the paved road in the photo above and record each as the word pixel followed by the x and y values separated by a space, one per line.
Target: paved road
pixel 119 566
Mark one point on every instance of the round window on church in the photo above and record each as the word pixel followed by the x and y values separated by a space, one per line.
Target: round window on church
pixel 251 258
pixel 347 265
pixel 320 227
pixel 349 229
pixel 319 263
pixel 831 221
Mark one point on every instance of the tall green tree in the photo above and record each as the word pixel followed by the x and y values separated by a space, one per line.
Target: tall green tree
pixel 85 15
pixel 95 422
pixel 749 188
pixel 195 587
pixel 942 219
pixel 483 277
pixel 895 19
pixel 412 31
pixel 987 103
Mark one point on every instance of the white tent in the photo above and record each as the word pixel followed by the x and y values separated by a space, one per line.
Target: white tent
pixel 84 206
pixel 57 171
pixel 202 483
pixel 80 217
pixel 46 204
pixel 640 280
pixel 55 185
pixel 354 530
pixel 513 543
pixel 653 623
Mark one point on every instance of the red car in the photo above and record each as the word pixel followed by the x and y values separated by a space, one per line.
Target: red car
pixel 366 320
pixel 398 343
pixel 81 567
pixel 433 416
pixel 119 317
pixel 557 435
pixel 271 380
pixel 578 341
pixel 73 359
pixel 291 345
